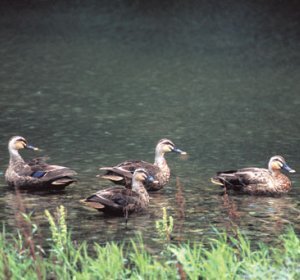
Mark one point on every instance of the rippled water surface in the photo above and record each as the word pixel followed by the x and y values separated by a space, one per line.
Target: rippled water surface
pixel 95 84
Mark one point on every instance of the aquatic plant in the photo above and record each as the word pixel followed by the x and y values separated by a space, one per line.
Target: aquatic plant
pixel 164 226
pixel 58 227
pixel 225 257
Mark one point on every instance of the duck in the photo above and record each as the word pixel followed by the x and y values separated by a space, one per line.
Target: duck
pixel 119 200
pixel 257 181
pixel 34 174
pixel 121 174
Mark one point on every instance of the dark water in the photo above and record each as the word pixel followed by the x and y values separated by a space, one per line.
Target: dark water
pixel 93 84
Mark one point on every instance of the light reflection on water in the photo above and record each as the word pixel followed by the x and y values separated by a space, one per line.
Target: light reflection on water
pixel 230 98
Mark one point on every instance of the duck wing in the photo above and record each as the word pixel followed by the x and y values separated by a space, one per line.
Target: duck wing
pixel 115 199
pixel 122 173
pixel 131 166
pixel 242 177
pixel 36 175
pixel 48 173
pixel 41 161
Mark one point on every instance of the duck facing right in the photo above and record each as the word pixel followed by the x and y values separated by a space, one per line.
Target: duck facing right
pixel 36 174
pixel 121 174
pixel 120 200
pixel 257 181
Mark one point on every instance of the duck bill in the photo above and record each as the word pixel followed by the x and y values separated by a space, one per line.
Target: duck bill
pixel 30 147
pixel 178 151
pixel 287 168
pixel 150 179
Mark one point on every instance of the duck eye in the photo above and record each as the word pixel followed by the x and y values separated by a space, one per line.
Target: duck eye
pixel 23 142
pixel 279 163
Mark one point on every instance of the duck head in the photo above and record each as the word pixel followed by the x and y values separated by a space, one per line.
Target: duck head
pixel 276 163
pixel 140 175
pixel 166 146
pixel 18 142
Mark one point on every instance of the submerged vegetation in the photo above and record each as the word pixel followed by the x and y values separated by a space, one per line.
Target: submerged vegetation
pixel 225 257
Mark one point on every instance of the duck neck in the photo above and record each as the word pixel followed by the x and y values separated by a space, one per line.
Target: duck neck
pixel 15 156
pixel 160 160
pixel 161 163
pixel 138 187
pixel 274 172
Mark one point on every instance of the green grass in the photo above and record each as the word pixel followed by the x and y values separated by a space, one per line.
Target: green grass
pixel 225 257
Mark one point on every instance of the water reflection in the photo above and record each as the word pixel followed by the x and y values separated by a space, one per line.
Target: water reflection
pixel 220 80
pixel 259 216
pixel 194 214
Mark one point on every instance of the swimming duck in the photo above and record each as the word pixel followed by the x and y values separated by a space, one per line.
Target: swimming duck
pixel 35 174
pixel 121 200
pixel 121 174
pixel 254 180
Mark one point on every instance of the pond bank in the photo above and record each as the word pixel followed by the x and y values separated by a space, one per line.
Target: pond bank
pixel 226 257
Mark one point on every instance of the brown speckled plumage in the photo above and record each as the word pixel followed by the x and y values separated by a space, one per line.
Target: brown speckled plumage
pixel 122 173
pixel 121 200
pixel 257 181
pixel 35 174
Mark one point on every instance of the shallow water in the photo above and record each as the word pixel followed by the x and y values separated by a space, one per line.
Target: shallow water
pixel 94 85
